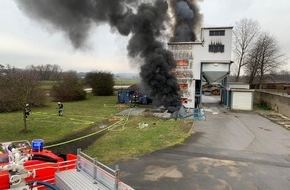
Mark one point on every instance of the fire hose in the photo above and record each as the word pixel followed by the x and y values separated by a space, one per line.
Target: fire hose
pixel 95 133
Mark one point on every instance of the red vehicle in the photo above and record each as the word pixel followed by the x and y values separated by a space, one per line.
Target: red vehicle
pixel 25 166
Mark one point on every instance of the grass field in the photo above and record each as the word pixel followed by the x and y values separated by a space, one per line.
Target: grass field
pixel 127 81
pixel 122 142
pixel 46 124
pixel 46 85
pixel 134 141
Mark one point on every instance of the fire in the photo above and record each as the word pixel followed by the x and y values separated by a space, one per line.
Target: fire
pixel 182 63
pixel 183 86
pixel 184 100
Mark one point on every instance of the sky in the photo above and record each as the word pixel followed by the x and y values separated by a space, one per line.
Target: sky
pixel 25 42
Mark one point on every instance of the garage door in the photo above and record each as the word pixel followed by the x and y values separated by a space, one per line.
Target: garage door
pixel 242 100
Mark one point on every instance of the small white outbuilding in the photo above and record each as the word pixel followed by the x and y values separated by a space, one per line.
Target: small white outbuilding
pixel 242 97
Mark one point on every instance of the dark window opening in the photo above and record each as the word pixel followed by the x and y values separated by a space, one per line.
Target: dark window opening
pixel 184 100
pixel 216 48
pixel 217 32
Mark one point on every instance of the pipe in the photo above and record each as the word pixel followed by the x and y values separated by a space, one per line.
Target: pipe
pixel 43 183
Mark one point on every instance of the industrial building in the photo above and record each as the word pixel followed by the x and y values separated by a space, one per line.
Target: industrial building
pixel 208 59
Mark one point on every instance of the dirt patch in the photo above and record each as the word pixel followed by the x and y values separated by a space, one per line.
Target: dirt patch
pixel 276 118
pixel 83 143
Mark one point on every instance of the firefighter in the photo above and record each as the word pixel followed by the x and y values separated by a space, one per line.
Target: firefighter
pixel 26 111
pixel 60 108
pixel 135 99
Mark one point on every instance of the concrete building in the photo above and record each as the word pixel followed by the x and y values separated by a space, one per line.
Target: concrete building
pixel 208 59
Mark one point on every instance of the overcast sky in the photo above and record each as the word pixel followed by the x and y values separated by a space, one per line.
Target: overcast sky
pixel 25 42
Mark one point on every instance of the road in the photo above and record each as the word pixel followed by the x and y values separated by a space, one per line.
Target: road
pixel 228 150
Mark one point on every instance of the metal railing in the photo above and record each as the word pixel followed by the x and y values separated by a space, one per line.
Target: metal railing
pixel 100 172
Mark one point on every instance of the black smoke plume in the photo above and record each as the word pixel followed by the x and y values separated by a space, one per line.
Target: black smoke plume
pixel 187 19
pixel 76 17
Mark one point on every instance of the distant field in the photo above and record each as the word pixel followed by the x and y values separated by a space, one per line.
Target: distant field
pixel 127 81
pixel 46 85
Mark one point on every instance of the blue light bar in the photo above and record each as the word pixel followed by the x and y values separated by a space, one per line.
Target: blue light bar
pixel 37 145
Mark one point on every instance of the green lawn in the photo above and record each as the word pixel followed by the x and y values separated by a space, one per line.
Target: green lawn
pixel 46 124
pixel 134 141
pixel 127 81
pixel 122 142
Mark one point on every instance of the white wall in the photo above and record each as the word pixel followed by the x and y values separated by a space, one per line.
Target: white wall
pixel 226 40
pixel 215 67
pixel 201 52
pixel 239 86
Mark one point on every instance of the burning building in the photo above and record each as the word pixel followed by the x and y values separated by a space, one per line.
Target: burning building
pixel 208 59
pixel 200 53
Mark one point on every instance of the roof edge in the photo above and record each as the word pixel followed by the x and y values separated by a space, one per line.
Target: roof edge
pixel 223 27
pixel 183 43
pixel 216 61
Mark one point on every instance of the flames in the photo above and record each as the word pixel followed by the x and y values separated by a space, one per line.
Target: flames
pixel 183 86
pixel 184 100
pixel 182 62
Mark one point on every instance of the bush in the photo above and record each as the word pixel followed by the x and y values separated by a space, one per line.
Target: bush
pixel 102 83
pixel 17 88
pixel 70 88
pixel 264 105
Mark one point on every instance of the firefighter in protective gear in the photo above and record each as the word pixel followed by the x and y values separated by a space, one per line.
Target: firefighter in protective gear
pixel 60 108
pixel 26 111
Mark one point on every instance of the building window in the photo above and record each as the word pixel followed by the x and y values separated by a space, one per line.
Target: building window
pixel 216 48
pixel 217 32
pixel 184 100
pixel 182 62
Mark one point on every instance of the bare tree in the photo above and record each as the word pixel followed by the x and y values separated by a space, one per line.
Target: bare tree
pixel 264 58
pixel 46 72
pixel 253 62
pixel 245 33
pixel 18 87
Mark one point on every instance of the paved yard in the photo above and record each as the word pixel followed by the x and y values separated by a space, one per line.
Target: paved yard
pixel 229 150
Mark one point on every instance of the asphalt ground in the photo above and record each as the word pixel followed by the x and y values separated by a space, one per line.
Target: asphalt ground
pixel 228 150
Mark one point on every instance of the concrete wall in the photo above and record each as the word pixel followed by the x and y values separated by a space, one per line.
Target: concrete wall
pixel 277 102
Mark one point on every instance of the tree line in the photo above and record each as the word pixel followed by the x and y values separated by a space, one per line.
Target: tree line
pixel 21 86
pixel 257 52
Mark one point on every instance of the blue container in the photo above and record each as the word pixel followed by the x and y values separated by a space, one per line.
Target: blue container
pixel 124 96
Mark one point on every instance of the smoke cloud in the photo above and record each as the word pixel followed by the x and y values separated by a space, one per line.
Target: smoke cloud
pixel 187 19
pixel 144 21
pixel 76 17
